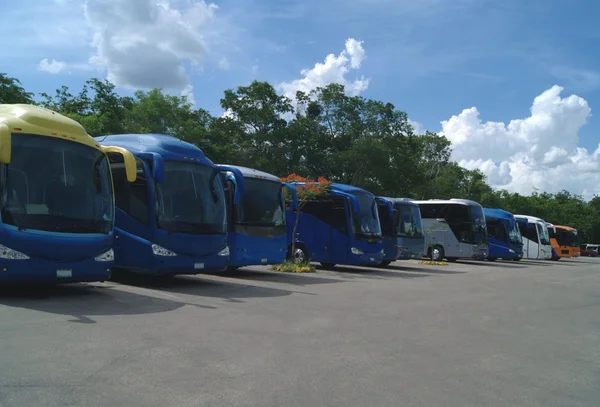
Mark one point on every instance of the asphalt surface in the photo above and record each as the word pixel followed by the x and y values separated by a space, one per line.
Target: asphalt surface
pixel 467 334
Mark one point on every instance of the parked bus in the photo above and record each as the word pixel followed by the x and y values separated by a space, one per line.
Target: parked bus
pixel 56 202
pixel 590 250
pixel 454 228
pixel 342 228
pixel 257 224
pixel 563 240
pixel 536 241
pixel 402 231
pixel 172 219
pixel 504 237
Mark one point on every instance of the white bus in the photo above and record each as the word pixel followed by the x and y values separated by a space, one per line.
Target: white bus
pixel 536 240
pixel 454 229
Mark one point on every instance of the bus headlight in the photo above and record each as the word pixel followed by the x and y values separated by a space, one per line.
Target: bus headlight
pixel 354 250
pixel 161 251
pixel 224 252
pixel 10 254
pixel 511 251
pixel 106 256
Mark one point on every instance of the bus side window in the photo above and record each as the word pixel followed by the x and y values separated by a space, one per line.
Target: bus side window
pixel 532 233
pixel 131 198
pixel 338 220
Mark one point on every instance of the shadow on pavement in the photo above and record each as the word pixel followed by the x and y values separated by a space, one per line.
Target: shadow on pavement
pixel 191 285
pixel 425 269
pixel 373 273
pixel 83 301
pixel 299 279
pixel 501 264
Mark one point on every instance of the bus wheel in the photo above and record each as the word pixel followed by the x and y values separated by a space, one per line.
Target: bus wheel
pixel 556 258
pixel 328 266
pixel 438 253
pixel 300 254
pixel 492 258
pixel 517 259
pixel 385 263
pixel 451 259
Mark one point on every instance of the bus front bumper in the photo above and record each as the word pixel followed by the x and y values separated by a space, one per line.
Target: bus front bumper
pixel 39 271
pixel 366 259
pixel 184 264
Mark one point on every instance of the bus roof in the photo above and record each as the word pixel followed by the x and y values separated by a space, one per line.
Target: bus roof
pixel 169 147
pixel 341 188
pixel 454 201
pixel 531 218
pixel 402 201
pixel 497 213
pixel 254 173
pixel 567 228
pixel 30 119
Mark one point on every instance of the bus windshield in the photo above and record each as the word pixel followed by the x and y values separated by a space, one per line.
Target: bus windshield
pixel 56 185
pixel 191 199
pixel 566 237
pixel 543 233
pixel 514 233
pixel 365 223
pixel 262 204
pixel 409 221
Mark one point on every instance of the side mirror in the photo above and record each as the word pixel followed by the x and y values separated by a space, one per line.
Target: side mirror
pixel 158 165
pixel 5 144
pixel 128 160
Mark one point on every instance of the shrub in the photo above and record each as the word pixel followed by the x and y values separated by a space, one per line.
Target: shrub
pixel 290 267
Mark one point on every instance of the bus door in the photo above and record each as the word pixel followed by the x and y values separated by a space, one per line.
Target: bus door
pixel 339 231
pixel 522 223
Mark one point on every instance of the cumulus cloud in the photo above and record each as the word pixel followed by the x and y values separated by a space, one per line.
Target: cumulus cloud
pixel 334 69
pixel 418 128
pixel 145 43
pixel 53 66
pixel 541 151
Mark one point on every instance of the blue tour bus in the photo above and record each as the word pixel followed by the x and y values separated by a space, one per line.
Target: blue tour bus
pixel 504 236
pixel 341 228
pixel 402 231
pixel 56 199
pixel 172 219
pixel 257 224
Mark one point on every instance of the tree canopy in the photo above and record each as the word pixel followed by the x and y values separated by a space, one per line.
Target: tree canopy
pixel 324 133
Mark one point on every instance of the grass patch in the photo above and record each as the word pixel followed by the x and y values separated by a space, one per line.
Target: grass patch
pixel 289 267
pixel 433 263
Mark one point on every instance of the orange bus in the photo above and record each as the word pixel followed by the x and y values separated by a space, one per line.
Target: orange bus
pixel 564 241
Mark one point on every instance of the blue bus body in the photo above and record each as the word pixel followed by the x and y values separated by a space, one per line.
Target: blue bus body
pixel 504 236
pixel 172 219
pixel 342 228
pixel 257 223
pixel 57 211
pixel 403 237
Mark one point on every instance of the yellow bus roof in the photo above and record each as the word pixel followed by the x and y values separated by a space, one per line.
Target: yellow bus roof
pixel 31 119
pixel 569 228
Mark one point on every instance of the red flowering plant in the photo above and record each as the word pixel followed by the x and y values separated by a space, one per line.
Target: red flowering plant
pixel 307 189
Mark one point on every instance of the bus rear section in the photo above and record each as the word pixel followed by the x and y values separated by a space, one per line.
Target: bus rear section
pixel 564 241
pixel 401 229
pixel 454 229
pixel 504 237
pixel 340 228
pixel 57 212
pixel 172 219
pixel 257 223
pixel 536 240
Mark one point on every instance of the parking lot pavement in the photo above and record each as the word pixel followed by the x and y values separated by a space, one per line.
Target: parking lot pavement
pixel 467 334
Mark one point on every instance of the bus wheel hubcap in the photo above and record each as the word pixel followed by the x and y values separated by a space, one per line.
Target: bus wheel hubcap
pixel 436 254
pixel 298 256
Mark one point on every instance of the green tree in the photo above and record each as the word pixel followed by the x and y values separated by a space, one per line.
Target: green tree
pixel 11 91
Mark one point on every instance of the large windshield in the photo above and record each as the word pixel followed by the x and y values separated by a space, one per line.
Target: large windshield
pixel 566 237
pixel 543 233
pixel 262 204
pixel 365 223
pixel 56 185
pixel 409 222
pixel 191 199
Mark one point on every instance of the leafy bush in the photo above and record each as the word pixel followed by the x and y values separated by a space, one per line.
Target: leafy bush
pixel 290 267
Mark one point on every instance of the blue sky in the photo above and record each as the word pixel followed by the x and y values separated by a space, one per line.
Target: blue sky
pixel 431 58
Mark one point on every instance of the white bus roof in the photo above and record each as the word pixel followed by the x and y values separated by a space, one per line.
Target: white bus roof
pixel 254 173
pixel 456 201
pixel 531 218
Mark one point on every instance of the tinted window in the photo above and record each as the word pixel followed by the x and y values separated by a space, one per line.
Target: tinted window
pixel 132 197
pixel 387 221
pixel 532 232
pixel 432 211
pixel 332 212
pixel 497 230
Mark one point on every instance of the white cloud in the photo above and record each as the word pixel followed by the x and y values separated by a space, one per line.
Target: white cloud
pixel 333 70
pixel 540 151
pixel 418 128
pixel 145 43
pixel 224 64
pixel 53 66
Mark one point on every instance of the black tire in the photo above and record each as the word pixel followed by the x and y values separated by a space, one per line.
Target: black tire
pixel 300 255
pixel 492 258
pixel 451 259
pixel 328 266
pixel 555 258
pixel 385 263
pixel 436 257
